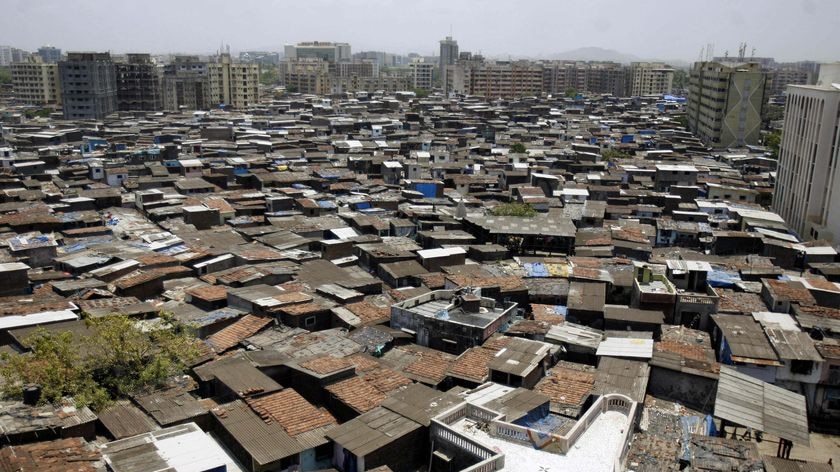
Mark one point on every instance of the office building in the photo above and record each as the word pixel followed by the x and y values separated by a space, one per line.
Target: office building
pixel 422 74
pixel 448 56
pixel 138 84
pixel 186 84
pixel 651 78
pixel 264 58
pixel 233 84
pixel 808 180
pixel 36 82
pixel 49 54
pixel 88 85
pixel 325 51
pixel 725 102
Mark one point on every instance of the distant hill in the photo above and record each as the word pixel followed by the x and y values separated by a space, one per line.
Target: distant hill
pixel 601 54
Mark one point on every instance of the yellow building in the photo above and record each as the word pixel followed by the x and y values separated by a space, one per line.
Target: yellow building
pixel 36 83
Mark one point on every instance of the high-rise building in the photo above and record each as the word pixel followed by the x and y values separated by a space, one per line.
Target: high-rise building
pixel 88 85
pixel 807 192
pixel 186 84
pixel 326 51
pixel 422 73
pixel 49 54
pixel 10 55
pixel 138 84
pixel 725 102
pixel 234 84
pixel 36 82
pixel 448 57
pixel 651 78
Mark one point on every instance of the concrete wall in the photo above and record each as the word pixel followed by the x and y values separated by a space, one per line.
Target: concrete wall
pixel 692 391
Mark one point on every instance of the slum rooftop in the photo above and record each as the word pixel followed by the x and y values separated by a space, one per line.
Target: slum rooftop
pixel 362 274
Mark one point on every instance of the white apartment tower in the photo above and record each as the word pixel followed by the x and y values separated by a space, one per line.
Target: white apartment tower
pixel 808 177
pixel 422 74
pixel 448 57
pixel 651 78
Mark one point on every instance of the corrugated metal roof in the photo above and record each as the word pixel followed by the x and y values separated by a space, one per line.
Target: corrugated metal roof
pixel 626 347
pixel 749 402
pixel 371 431
pixel 264 442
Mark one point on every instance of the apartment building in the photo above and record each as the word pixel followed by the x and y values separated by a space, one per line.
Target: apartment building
pixel 234 84
pixel 139 85
pixel 36 82
pixel 422 74
pixel 186 84
pixel 305 76
pixel 594 77
pixel 651 78
pixel 725 102
pixel 779 79
pixel 88 85
pixel 496 79
pixel 808 180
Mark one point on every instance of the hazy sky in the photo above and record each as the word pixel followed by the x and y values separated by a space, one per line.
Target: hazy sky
pixel 666 29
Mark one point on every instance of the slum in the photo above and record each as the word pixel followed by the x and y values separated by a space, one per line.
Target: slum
pixel 383 282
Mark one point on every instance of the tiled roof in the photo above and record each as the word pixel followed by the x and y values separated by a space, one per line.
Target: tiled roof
pixel 368 312
pixel 242 328
pixel 357 394
pixel 567 386
pixel 209 292
pixel 431 366
pixel 472 364
pixel 385 380
pixel 363 362
pixel 291 411
pixel 326 364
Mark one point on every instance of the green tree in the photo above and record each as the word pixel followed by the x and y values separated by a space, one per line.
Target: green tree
pixel 116 360
pixel 773 141
pixel 773 113
pixel 571 93
pixel 55 365
pixel 518 148
pixel 5 76
pixel 680 81
pixel 269 76
pixel 514 209
pixel 421 93
pixel 612 153
pixel 291 89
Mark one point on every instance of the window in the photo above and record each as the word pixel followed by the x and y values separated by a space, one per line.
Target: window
pixel 309 321
pixel 801 367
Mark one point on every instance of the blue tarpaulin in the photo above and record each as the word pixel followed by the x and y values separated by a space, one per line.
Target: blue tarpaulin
pixel 535 269
pixel 719 278
pixel 711 429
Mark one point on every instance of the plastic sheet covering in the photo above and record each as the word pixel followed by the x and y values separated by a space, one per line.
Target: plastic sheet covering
pixel 719 278
pixel 689 425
